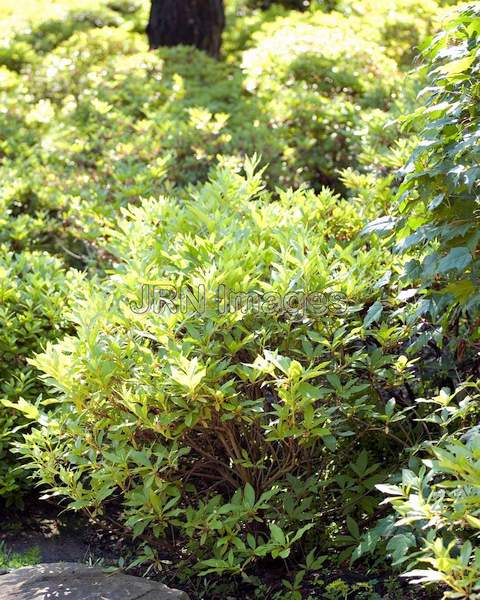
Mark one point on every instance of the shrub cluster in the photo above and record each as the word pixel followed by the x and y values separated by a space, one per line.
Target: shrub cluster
pixel 322 83
pixel 91 122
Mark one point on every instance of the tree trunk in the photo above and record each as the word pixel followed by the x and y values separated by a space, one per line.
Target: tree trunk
pixel 198 23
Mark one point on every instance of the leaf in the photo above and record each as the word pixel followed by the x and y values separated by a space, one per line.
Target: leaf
pixel 28 409
pixel 379 226
pixel 462 290
pixel 471 176
pixel 392 490
pixel 310 392
pixel 277 534
pixel 330 442
pixel 384 280
pixel 436 201
pixel 399 546
pixel 473 521
pixel 458 66
pixel 374 313
pixel 334 380
pixel 406 295
pixel 281 362
pixel 353 528
pixel 249 496
pixel 424 575
pixel 466 553
pixel 441 106
pixel 457 259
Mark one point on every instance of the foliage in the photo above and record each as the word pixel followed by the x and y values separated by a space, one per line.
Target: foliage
pixel 34 297
pixel 322 83
pixel 257 436
pixel 435 534
pixel 91 122
pixel 111 123
pixel 440 191
pixel 438 503
pixel 400 26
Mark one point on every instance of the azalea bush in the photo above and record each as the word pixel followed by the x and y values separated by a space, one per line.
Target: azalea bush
pixel 322 81
pixel 399 26
pixel 237 427
pixel 111 123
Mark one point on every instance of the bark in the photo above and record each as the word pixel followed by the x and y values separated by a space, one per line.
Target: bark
pixel 198 23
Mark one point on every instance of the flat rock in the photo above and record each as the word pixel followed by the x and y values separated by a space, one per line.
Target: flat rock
pixel 74 581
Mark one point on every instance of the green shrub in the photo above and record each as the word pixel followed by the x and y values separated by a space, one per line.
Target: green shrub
pixel 322 83
pixel 400 26
pixel 16 55
pixel 243 429
pixel 34 293
pixel 47 35
pixel 321 51
pixel 23 47
pixel 100 123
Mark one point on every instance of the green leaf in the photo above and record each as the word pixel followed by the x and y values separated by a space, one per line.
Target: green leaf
pixel 277 534
pixel 249 496
pixel 373 315
pixel 457 259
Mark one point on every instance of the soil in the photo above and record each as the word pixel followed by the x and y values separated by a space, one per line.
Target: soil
pixel 60 536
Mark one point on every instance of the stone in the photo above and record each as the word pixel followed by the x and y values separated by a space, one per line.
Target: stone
pixel 74 581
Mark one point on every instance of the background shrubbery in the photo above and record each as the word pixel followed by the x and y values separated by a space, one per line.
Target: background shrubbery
pixel 91 122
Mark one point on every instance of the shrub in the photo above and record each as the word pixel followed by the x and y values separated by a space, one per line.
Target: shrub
pixel 239 428
pixel 34 297
pixel 259 432
pixel 42 36
pixel 109 124
pixel 440 190
pixel 321 51
pixel 47 35
pixel 400 26
pixel 321 82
